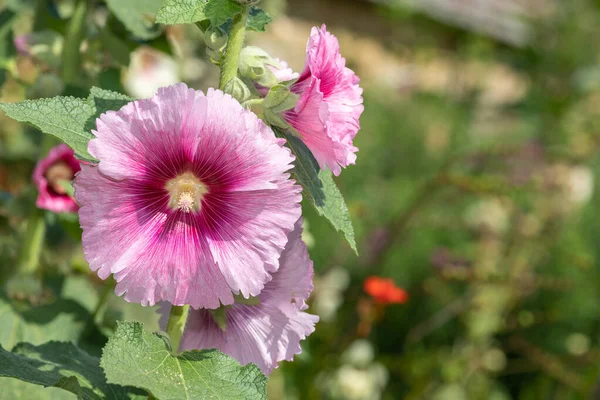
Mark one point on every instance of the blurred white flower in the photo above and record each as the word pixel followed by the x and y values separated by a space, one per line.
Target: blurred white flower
pixel 580 185
pixel 194 68
pixel 328 292
pixel 354 384
pixel 351 383
pixel 488 214
pixel 148 70
pixel 360 353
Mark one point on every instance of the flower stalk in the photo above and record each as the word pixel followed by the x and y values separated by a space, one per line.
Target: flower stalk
pixel 31 251
pixel 176 325
pixel 71 56
pixel 231 58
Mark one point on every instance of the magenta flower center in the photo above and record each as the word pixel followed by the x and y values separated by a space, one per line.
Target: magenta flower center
pixel 186 192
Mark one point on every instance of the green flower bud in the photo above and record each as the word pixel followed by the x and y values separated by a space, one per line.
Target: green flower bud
pixel 215 38
pixel 238 89
pixel 254 64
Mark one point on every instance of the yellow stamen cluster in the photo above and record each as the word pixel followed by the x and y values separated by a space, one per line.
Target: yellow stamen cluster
pixel 186 192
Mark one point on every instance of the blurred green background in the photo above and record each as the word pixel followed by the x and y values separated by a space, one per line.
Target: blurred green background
pixel 474 190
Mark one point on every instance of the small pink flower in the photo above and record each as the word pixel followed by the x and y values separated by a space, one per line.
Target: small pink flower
pixel 328 111
pixel 270 331
pixel 22 44
pixel 59 165
pixel 191 200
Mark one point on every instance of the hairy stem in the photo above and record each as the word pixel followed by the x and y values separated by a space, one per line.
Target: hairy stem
pixel 71 57
pixel 176 325
pixel 231 58
pixel 29 258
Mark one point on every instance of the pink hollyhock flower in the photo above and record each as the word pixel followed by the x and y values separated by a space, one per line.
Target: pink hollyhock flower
pixel 190 201
pixel 59 165
pixel 22 44
pixel 330 103
pixel 269 331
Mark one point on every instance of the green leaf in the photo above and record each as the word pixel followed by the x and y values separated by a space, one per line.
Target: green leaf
pixel 181 12
pixel 320 188
pixel 138 358
pixel 257 19
pixel 220 11
pixel 62 320
pixel 137 15
pixel 70 119
pixel 63 117
pixel 106 100
pixel 11 388
pixel 64 366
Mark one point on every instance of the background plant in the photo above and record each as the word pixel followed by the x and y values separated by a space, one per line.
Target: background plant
pixel 473 191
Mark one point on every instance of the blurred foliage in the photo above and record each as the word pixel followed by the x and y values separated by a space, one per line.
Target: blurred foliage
pixel 473 190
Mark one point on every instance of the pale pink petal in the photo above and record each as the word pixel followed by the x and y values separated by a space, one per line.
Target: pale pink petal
pixel 267 333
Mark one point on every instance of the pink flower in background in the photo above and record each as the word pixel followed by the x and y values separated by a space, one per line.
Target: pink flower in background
pixel 328 111
pixel 190 201
pixel 49 176
pixel 22 44
pixel 269 331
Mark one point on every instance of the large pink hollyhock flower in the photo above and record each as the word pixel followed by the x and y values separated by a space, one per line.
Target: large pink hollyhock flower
pixel 269 331
pixel 59 165
pixel 330 103
pixel 191 199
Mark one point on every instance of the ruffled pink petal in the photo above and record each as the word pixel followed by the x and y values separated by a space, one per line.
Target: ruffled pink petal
pixel 309 118
pixel 145 133
pixel 284 73
pixel 325 79
pixel 47 198
pixel 267 333
pixel 231 244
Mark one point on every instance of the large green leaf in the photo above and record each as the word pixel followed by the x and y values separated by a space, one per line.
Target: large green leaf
pixel 62 320
pixel 137 15
pixel 65 366
pixel 63 117
pixel 70 119
pixel 320 188
pixel 215 12
pixel 220 11
pixel 138 358
pixel 181 12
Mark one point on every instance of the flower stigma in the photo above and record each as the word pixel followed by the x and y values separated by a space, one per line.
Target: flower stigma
pixel 186 192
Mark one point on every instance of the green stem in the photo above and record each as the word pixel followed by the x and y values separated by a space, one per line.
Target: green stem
pixel 106 291
pixel 71 57
pixel 231 58
pixel 29 258
pixel 176 325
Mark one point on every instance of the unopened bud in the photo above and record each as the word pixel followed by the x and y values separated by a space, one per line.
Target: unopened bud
pixel 237 89
pixel 254 65
pixel 215 38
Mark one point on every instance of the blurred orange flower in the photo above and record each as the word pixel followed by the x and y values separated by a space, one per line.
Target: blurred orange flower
pixel 384 291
